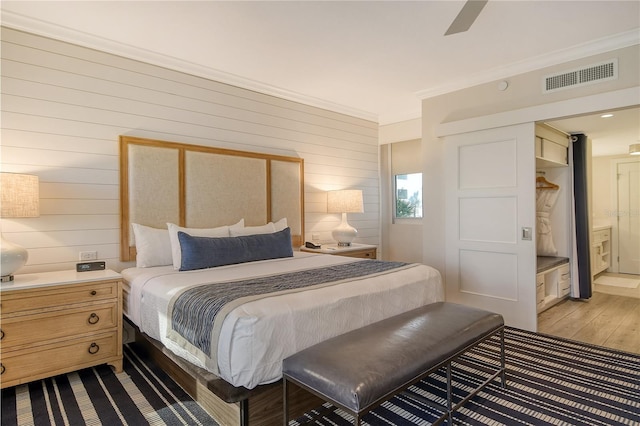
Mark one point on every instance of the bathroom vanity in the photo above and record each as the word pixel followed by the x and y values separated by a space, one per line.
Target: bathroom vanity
pixel 600 249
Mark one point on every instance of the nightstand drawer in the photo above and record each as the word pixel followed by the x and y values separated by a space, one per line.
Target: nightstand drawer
pixel 50 360
pixel 364 251
pixel 364 254
pixel 45 327
pixel 32 300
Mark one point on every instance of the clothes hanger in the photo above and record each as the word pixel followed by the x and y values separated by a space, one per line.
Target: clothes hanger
pixel 542 183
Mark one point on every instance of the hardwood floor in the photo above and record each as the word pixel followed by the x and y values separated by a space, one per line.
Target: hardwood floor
pixel 610 320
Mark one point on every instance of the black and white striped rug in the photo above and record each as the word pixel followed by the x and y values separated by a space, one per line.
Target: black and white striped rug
pixel 550 381
pixel 142 394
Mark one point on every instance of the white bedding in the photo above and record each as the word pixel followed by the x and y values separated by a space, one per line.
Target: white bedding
pixel 258 335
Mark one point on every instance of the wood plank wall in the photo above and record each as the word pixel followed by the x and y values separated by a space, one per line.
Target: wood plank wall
pixel 64 106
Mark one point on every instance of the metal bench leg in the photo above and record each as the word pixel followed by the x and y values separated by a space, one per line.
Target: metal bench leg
pixel 502 360
pixel 449 394
pixel 285 404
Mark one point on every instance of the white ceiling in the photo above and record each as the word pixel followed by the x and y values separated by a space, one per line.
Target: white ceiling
pixel 372 59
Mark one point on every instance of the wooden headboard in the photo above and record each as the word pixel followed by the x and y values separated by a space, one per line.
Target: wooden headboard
pixel 203 187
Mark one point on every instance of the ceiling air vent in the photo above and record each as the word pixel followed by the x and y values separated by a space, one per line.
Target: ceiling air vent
pixel 590 74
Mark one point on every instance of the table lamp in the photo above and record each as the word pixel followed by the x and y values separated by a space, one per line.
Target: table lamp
pixel 20 198
pixel 345 201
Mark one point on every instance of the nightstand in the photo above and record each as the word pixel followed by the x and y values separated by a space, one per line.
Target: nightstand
pixel 58 322
pixel 366 251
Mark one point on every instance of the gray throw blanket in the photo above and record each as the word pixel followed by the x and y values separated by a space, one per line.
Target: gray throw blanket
pixel 194 311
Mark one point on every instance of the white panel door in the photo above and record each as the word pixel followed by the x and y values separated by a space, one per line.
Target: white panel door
pixel 490 203
pixel 629 218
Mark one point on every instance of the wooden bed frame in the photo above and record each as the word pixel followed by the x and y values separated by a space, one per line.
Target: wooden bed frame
pixel 197 186
pixel 227 404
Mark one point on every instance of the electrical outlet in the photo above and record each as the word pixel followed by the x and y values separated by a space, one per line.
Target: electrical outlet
pixel 88 255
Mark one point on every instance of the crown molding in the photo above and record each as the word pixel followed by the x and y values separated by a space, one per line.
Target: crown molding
pixel 603 45
pixel 398 117
pixel 35 26
pixel 42 28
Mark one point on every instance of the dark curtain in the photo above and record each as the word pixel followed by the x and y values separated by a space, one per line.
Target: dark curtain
pixel 583 245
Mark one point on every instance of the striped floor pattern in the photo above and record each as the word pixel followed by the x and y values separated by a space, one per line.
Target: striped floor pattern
pixel 142 394
pixel 549 382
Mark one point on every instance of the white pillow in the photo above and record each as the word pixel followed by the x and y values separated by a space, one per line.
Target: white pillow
pixel 269 228
pixel 153 246
pixel 221 231
pixel 281 224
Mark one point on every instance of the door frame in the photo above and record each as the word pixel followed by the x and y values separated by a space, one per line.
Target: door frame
pixel 615 263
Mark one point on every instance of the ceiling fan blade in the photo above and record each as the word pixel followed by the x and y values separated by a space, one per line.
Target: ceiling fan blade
pixel 466 17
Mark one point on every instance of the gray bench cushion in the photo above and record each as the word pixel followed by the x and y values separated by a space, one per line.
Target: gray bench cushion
pixel 367 365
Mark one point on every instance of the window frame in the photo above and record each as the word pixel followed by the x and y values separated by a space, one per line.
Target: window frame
pixel 406 219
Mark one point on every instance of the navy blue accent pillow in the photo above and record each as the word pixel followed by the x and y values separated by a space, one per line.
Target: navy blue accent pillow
pixel 207 252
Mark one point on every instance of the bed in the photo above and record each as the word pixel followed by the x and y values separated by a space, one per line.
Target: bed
pixel 231 200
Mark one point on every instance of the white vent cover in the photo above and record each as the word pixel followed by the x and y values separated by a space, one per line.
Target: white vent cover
pixel 590 74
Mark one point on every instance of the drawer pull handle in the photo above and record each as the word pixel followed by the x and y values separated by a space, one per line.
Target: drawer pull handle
pixel 93 318
pixel 94 348
pixel 93 292
pixel 1 334
pixel 2 369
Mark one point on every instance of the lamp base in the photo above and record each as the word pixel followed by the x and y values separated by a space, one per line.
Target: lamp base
pixel 13 257
pixel 344 233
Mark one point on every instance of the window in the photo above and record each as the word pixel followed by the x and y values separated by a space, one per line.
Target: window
pixel 408 195
pixel 402 162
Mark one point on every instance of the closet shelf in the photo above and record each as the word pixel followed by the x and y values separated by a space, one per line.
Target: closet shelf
pixel 544 263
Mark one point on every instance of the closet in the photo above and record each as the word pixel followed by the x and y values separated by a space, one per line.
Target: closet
pixel 553 217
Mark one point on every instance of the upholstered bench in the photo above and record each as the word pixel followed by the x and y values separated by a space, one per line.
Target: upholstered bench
pixel 359 370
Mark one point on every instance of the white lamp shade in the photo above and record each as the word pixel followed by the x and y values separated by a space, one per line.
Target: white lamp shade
pixel 20 198
pixel 345 201
pixel 20 195
pixel 634 149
